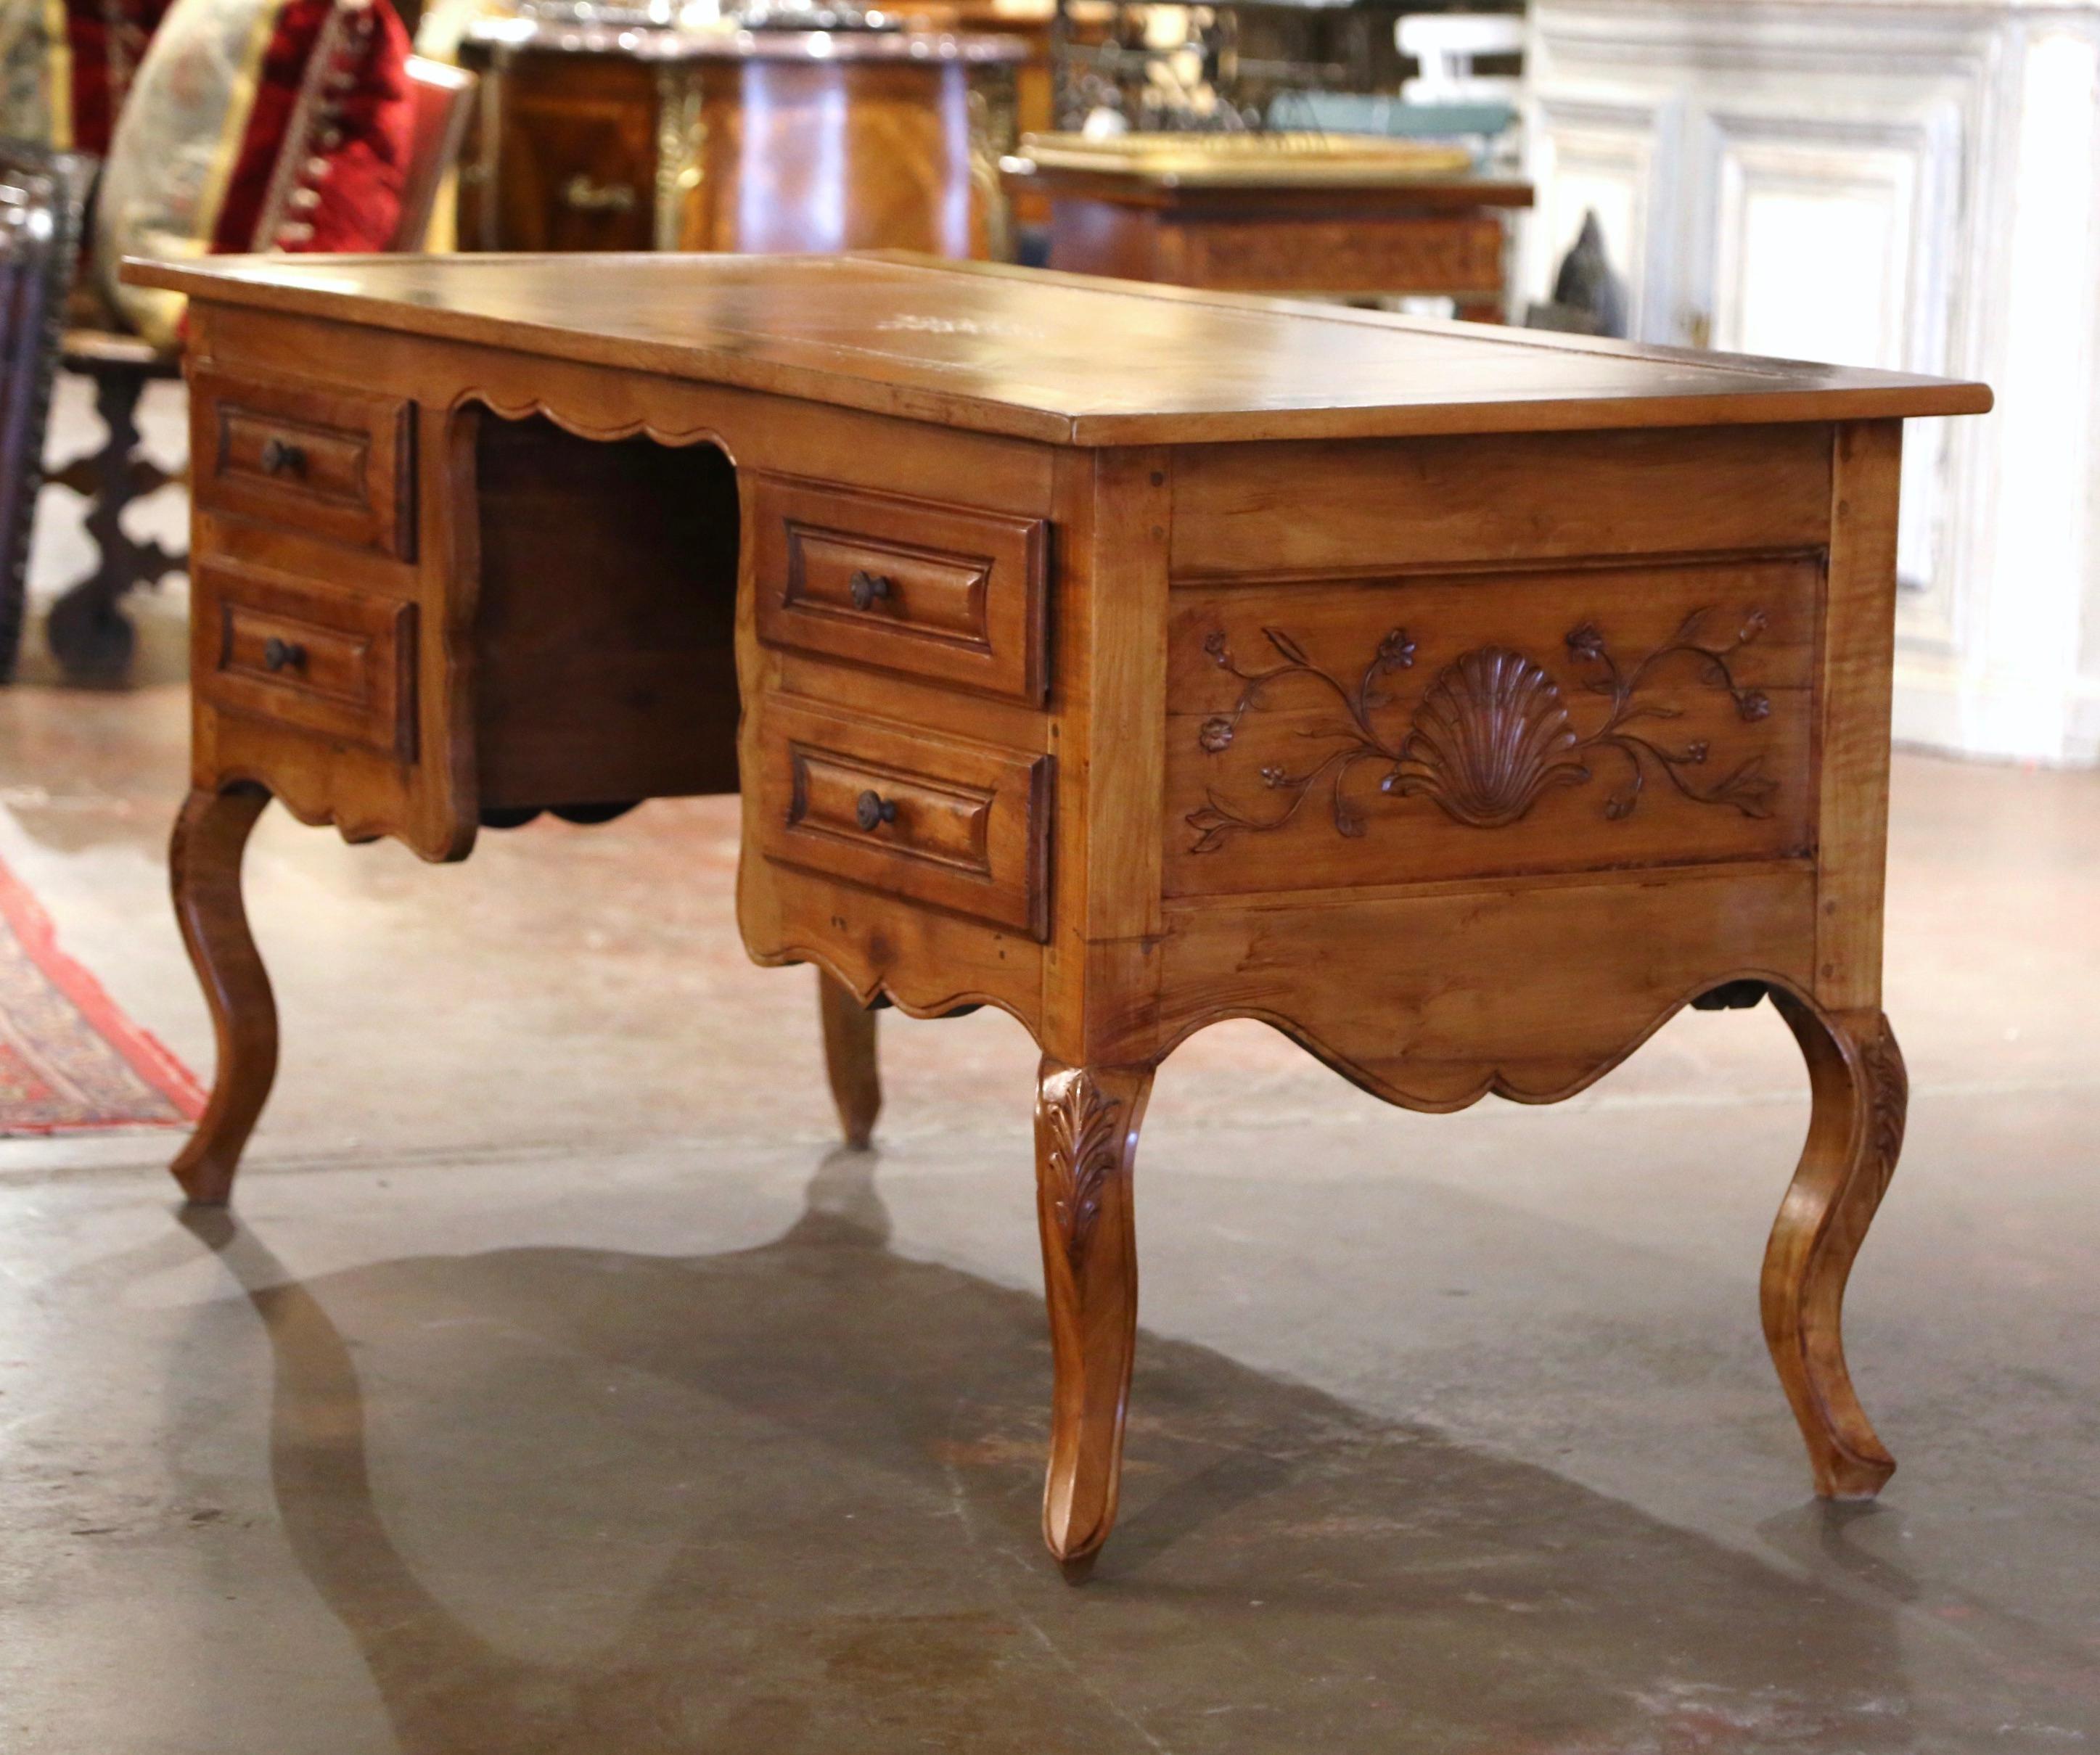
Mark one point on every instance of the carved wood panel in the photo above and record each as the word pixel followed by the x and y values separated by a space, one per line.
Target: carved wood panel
pixel 1405 730
pixel 1432 1000
pixel 1418 253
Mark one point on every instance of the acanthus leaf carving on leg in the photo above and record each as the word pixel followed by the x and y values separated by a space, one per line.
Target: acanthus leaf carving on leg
pixel 1087 1120
pixel 1085 1149
pixel 1888 1102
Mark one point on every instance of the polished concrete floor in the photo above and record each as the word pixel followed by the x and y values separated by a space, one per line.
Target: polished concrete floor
pixel 557 1389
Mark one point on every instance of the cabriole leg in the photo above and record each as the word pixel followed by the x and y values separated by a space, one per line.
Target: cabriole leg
pixel 1855 1133
pixel 850 1060
pixel 204 862
pixel 1087 1120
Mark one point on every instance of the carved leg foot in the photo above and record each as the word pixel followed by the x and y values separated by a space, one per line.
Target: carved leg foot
pixel 849 1061
pixel 1855 1133
pixel 204 861
pixel 1087 1120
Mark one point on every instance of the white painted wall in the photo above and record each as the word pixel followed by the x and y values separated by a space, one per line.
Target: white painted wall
pixel 1909 183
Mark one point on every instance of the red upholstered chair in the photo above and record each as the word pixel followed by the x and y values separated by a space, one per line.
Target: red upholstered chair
pixel 444 98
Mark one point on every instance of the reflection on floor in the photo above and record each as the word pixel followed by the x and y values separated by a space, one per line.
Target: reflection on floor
pixel 558 1387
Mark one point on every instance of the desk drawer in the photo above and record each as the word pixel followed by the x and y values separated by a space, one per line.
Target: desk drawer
pixel 958 825
pixel 330 463
pixel 337 663
pixel 947 593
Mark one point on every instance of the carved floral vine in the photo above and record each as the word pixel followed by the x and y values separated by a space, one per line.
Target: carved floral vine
pixel 1491 732
pixel 1085 1149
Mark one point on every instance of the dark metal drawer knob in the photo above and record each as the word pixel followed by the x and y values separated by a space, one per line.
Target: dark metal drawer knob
pixel 871 810
pixel 867 589
pixel 280 456
pixel 283 654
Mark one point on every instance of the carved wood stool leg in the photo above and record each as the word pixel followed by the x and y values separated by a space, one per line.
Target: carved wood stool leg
pixel 87 630
pixel 1087 1120
pixel 850 1060
pixel 1855 1133
pixel 204 862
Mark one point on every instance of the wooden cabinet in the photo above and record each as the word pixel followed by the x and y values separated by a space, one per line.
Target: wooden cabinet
pixel 565 153
pixel 1275 213
pixel 593 139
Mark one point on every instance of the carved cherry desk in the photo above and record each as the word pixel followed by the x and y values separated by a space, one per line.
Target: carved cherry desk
pixel 1461 702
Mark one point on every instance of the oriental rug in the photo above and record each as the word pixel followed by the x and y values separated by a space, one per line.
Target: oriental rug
pixel 68 1058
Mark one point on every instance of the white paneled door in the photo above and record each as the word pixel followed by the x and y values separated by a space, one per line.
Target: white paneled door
pixel 1906 185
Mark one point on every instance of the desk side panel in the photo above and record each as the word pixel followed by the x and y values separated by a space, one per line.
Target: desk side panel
pixel 1433 999
pixel 1322 510
pixel 1485 755
pixel 1859 659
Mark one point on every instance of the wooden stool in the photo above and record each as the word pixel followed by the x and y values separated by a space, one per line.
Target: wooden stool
pixel 88 631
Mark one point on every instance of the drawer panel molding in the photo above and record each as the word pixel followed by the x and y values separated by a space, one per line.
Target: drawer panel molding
pixel 953 594
pixel 1624 740
pixel 331 463
pixel 337 663
pixel 957 826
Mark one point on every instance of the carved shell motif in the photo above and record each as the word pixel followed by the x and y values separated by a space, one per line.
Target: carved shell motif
pixel 1490 736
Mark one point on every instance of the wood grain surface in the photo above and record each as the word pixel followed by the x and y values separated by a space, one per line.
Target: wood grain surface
pixel 1057 357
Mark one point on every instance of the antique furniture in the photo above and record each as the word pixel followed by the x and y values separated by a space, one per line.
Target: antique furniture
pixel 1462 701
pixel 1275 212
pixel 87 630
pixel 1032 24
pixel 604 137
pixel 43 196
pixel 1173 65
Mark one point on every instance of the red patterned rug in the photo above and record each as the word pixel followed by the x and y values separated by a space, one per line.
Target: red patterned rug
pixel 68 1058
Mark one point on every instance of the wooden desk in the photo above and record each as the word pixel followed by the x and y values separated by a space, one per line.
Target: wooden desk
pixel 1274 213
pixel 1462 704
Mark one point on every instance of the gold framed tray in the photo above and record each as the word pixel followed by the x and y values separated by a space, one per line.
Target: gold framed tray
pixel 1291 157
